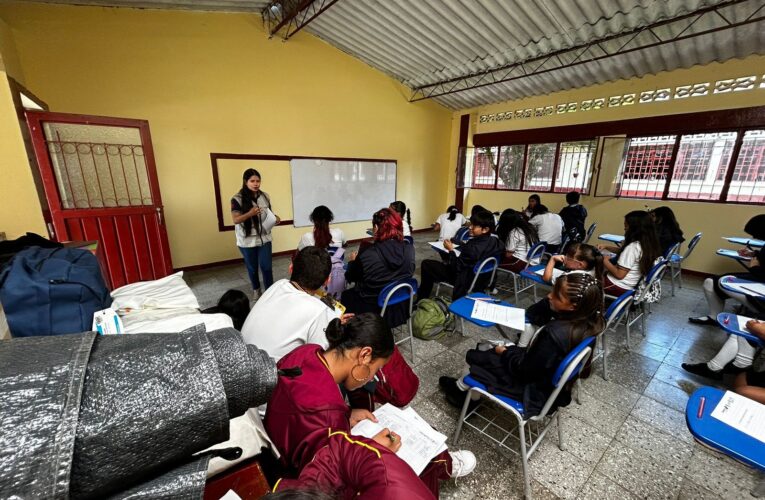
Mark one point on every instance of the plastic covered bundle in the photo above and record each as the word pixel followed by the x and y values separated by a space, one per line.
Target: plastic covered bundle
pixel 124 413
pixel 40 386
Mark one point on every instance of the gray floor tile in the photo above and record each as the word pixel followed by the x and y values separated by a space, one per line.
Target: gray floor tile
pixel 639 473
pixel 724 478
pixel 630 370
pixel 663 418
pixel 692 491
pixel 561 472
pixel 580 439
pixel 598 414
pixel 668 394
pixel 610 392
pixel 600 487
pixel 652 442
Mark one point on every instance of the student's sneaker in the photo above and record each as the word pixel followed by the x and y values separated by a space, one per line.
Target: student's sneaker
pixel 463 463
pixel 256 294
pixel 702 370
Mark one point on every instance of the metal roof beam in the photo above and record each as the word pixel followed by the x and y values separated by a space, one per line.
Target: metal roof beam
pixel 620 44
pixel 292 16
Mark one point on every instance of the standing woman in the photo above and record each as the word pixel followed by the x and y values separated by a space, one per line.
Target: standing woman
pixel 251 211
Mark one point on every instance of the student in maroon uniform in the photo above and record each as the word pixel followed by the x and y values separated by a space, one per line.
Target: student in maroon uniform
pixel 303 408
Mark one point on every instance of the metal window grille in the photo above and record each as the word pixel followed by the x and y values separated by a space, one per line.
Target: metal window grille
pixel 748 180
pixel 540 165
pixel 645 166
pixel 575 161
pixel 485 167
pixel 701 165
pixel 510 167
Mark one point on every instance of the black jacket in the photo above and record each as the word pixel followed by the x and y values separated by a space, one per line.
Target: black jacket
pixel 471 253
pixel 379 264
pixel 573 221
pixel 525 374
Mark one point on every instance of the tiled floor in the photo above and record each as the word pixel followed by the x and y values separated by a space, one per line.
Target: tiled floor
pixel 628 438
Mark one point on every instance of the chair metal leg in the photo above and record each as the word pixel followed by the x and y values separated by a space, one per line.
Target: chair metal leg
pixel 515 288
pixel 438 290
pixel 411 337
pixel 604 350
pixel 642 318
pixel 462 327
pixel 534 288
pixel 560 431
pixel 524 462
pixel 672 281
pixel 627 327
pixel 578 389
pixel 680 275
pixel 462 418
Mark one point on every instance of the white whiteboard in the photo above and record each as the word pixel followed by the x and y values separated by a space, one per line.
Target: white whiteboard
pixel 353 190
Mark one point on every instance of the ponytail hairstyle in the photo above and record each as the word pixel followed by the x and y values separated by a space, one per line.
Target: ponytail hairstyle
pixel 452 211
pixel 511 220
pixel 362 330
pixel 235 304
pixel 641 228
pixel 400 208
pixel 586 295
pixel 321 217
pixel 587 254
pixel 389 225
pixel 249 201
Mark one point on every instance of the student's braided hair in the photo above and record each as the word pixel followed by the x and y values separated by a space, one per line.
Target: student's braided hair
pixel 586 294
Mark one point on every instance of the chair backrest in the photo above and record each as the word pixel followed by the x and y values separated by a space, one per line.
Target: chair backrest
pixel 397 292
pixel 590 232
pixel 618 307
pixel 692 244
pixel 409 239
pixel 462 235
pixel 535 253
pixel 488 265
pixel 565 240
pixel 567 370
pixel 669 252
pixel 655 274
pixel 332 250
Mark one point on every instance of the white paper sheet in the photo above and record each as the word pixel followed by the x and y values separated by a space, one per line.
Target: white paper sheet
pixel 557 273
pixel 230 495
pixel 512 317
pixel 748 288
pixel 269 221
pixel 742 414
pixel 439 245
pixel 419 441
pixel 742 321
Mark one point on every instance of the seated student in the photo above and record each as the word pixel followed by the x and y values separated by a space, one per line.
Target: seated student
pixel 387 260
pixel 304 410
pixel 405 214
pixel 636 255
pixel 667 229
pixel 549 227
pixel 534 200
pixel 449 223
pixel 359 468
pixel 322 235
pixel 573 217
pixel 518 236
pixel 290 314
pixel 459 270
pixel 716 296
pixel 233 303
pixel 735 356
pixel 751 384
pixel 525 374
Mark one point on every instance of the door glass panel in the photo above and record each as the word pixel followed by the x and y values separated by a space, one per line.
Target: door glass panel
pixel 98 166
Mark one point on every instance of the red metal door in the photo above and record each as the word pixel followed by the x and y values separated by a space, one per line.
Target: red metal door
pixel 100 180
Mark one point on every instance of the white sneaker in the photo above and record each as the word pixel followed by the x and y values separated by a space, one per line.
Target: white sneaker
pixel 463 463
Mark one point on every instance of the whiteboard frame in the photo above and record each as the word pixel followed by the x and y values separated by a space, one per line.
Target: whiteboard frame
pixel 214 157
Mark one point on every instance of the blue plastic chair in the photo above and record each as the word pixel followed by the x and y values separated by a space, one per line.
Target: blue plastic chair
pixel 463 309
pixel 488 265
pixel 409 240
pixel 641 307
pixel 396 293
pixel 462 235
pixel 676 261
pixel 722 437
pixel 527 426
pixel 590 232
pixel 668 254
pixel 520 283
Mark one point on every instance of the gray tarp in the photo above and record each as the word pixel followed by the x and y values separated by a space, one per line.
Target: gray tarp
pixel 87 416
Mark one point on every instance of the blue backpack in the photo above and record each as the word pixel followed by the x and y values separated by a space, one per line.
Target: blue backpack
pixel 52 291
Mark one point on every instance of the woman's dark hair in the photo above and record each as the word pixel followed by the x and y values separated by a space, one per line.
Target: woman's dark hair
pixel 539 209
pixel 586 294
pixel 641 228
pixel 248 201
pixel 665 220
pixel 389 225
pixel 321 217
pixel 233 303
pixel 536 198
pixel 452 211
pixel 311 267
pixel 476 209
pixel 362 330
pixel 511 220
pixel 400 208
pixel 588 254
pixel 756 227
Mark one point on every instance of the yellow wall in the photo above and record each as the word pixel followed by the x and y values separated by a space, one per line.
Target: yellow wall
pixel 20 206
pixel 213 82
pixel 714 220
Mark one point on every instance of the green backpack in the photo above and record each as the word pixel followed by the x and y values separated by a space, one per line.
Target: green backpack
pixel 432 319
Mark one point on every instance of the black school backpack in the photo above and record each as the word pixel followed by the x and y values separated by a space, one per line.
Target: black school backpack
pixel 52 291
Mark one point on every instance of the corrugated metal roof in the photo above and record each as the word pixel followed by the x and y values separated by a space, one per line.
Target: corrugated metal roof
pixel 421 42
